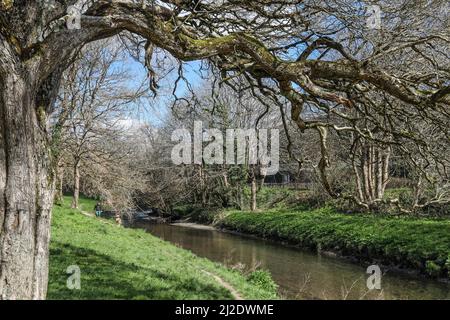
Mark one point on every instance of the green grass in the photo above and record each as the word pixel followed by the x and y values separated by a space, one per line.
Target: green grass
pixel 119 263
pixel 422 244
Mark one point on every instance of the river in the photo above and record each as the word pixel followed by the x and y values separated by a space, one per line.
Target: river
pixel 300 274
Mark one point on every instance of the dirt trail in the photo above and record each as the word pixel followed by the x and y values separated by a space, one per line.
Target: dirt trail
pixel 87 214
pixel 226 285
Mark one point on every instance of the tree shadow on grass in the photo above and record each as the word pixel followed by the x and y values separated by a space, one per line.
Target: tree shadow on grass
pixel 105 278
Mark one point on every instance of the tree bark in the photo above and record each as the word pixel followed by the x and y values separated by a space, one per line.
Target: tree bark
pixel 26 189
pixel 59 196
pixel 118 218
pixel 254 189
pixel 366 174
pixel 385 169
pixel 379 173
pixel 357 175
pixel 76 184
pixel 374 167
pixel 203 191
pixel 261 179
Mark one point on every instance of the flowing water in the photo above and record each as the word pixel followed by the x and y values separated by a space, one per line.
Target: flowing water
pixel 300 274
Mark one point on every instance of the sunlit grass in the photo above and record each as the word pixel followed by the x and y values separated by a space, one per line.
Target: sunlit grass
pixel 119 263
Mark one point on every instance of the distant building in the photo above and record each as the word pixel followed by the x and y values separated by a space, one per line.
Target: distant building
pixel 286 178
pixel 282 177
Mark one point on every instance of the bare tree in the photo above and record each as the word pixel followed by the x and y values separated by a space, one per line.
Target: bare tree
pixel 93 105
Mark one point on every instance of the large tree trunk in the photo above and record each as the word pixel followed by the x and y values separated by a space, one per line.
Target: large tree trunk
pixel 26 189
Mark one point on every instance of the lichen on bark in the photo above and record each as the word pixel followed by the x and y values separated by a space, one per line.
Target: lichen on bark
pixel 7 4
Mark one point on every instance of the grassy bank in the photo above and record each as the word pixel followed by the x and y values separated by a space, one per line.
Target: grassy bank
pixel 421 244
pixel 118 263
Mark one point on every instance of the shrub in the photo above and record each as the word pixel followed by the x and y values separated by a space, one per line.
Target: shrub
pixel 263 280
pixel 433 269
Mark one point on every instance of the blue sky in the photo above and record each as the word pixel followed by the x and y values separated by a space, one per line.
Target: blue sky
pixel 158 108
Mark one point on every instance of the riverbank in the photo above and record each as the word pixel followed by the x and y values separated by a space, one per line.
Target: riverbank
pixel 300 273
pixel 119 263
pixel 404 243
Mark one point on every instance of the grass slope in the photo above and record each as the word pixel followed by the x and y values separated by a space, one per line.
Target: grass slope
pixel 118 263
pixel 422 244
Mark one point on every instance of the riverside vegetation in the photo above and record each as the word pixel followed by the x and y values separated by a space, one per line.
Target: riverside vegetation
pixel 421 244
